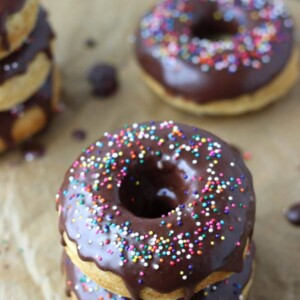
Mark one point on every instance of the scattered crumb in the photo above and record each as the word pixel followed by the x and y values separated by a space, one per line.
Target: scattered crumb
pixel 103 79
pixel 79 134
pixel 90 43
pixel 247 155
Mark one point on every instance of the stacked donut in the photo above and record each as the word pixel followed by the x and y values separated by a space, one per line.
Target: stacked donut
pixel 158 210
pixel 28 80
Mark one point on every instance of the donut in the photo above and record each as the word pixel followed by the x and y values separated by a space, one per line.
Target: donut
pixel 24 71
pixel 25 120
pixel 218 57
pixel 80 287
pixel 17 20
pixel 157 210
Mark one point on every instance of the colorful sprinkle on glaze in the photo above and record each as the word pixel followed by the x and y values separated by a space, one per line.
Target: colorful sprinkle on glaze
pixel 189 209
pixel 257 26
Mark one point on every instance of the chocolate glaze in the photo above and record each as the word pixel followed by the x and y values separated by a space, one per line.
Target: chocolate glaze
pixel 182 78
pixel 94 225
pixel 237 149
pixel 229 289
pixel 33 150
pixel 7 8
pixel 38 41
pixel 42 99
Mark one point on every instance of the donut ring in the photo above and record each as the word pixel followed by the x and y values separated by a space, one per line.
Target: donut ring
pixel 32 116
pixel 17 20
pixel 157 211
pixel 218 57
pixel 80 287
pixel 23 72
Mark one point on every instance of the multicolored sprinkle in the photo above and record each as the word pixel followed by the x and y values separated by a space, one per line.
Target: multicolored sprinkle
pixel 169 29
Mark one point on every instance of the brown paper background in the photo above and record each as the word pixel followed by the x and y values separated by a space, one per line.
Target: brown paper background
pixel 30 250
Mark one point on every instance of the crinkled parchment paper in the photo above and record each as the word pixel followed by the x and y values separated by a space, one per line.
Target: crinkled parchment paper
pixel 30 250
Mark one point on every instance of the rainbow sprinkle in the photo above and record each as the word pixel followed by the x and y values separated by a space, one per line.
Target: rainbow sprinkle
pixel 249 47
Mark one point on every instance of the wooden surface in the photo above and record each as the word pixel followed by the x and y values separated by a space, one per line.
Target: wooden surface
pixel 30 250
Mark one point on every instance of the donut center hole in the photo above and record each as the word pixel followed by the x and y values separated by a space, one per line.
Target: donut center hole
pixel 152 189
pixel 212 29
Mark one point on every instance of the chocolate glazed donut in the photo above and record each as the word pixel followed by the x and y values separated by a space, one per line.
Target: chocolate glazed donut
pixel 205 50
pixel 7 8
pixel 162 205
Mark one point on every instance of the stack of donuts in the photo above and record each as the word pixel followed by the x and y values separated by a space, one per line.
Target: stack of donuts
pixel 28 79
pixel 158 210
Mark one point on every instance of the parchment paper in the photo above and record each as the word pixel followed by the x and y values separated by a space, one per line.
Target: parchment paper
pixel 30 250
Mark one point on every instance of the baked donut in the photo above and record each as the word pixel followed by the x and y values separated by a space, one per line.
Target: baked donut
pixel 25 120
pixel 17 20
pixel 80 287
pixel 157 211
pixel 24 71
pixel 218 57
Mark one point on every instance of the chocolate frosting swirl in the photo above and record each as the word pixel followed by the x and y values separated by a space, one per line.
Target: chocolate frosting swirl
pixel 7 8
pixel 205 50
pixel 39 41
pixel 162 205
pixel 42 99
pixel 230 289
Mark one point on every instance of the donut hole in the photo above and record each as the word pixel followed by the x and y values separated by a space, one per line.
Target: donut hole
pixel 212 29
pixel 152 189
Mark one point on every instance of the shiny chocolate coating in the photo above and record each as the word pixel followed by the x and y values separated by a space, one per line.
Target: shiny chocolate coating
pixel 7 8
pixel 39 41
pixel 204 50
pixel 230 289
pixel 42 99
pixel 163 205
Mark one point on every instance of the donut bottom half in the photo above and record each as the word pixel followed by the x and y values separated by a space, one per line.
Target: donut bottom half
pixel 80 287
pixel 33 119
pixel 116 285
pixel 20 87
pixel 257 100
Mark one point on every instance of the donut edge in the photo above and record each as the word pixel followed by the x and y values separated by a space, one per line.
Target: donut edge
pixel 243 104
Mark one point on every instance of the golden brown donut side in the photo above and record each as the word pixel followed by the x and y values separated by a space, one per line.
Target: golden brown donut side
pixel 261 98
pixel 20 87
pixel 34 119
pixel 19 25
pixel 115 284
